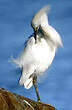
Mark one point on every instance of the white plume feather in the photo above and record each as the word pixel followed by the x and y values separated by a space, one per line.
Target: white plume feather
pixel 41 18
pixel 52 34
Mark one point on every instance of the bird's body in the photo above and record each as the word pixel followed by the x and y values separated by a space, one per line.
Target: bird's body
pixel 39 51
pixel 35 58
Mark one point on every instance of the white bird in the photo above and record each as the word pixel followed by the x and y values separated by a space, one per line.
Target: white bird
pixel 39 51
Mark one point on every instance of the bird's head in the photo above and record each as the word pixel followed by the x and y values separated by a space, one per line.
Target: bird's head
pixel 40 18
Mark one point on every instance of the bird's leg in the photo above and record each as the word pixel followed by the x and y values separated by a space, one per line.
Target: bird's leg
pixel 35 86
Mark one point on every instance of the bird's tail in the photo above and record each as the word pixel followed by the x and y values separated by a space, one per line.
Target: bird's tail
pixel 27 71
pixel 26 78
pixel 28 82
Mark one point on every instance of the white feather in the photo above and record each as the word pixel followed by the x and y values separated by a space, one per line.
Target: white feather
pixel 41 17
pixel 26 79
pixel 35 58
pixel 52 34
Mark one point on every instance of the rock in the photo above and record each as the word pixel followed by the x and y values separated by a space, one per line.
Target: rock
pixel 12 101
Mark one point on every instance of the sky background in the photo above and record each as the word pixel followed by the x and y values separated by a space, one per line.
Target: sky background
pixel 15 28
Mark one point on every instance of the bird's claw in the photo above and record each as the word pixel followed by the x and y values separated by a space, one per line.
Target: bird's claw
pixel 43 103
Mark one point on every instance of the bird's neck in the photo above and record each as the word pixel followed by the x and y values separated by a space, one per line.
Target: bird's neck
pixel 40 36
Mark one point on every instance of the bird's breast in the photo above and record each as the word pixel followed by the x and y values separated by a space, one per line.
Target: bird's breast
pixel 43 54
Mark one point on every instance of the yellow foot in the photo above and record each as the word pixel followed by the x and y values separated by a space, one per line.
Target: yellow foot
pixel 42 102
pixel 45 103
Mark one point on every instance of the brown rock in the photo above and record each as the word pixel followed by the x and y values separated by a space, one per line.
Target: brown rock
pixel 12 101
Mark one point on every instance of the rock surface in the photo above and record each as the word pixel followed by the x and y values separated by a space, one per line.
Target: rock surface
pixel 12 101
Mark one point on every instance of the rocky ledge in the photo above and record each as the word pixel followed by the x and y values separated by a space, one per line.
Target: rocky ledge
pixel 13 101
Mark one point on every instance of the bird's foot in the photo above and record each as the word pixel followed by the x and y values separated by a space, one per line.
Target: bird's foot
pixel 44 103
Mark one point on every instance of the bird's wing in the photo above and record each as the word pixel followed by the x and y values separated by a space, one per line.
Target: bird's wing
pixel 25 56
pixel 41 17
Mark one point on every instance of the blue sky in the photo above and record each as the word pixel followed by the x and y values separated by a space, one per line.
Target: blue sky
pixel 15 28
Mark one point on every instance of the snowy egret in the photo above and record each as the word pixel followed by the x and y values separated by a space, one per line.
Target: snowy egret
pixel 39 51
